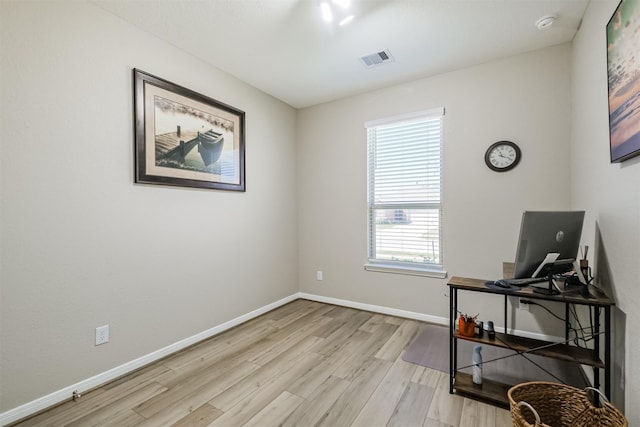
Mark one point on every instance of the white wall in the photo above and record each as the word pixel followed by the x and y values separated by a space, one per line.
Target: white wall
pixel 82 245
pixel 525 99
pixel 610 193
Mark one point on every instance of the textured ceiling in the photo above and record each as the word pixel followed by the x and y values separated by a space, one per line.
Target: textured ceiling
pixel 284 48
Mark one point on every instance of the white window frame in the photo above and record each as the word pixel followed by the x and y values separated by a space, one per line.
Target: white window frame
pixel 391 266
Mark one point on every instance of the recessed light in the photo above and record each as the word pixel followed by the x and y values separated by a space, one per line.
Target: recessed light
pixel 545 22
pixel 343 3
pixel 346 20
pixel 326 11
pixel 335 11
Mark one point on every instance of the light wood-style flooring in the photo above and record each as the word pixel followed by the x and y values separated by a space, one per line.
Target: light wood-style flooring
pixel 303 364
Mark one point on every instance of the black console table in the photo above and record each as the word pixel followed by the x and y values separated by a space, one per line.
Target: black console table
pixel 495 392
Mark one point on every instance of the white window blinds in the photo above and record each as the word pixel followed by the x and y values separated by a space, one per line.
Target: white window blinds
pixel 404 190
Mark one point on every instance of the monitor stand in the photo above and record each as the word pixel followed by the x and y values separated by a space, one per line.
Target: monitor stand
pixel 551 290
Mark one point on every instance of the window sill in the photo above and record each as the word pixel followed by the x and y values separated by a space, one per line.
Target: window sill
pixel 401 269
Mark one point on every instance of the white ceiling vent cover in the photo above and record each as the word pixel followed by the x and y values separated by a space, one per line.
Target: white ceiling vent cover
pixel 377 58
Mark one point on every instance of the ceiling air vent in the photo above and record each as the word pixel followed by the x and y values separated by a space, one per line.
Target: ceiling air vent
pixel 377 58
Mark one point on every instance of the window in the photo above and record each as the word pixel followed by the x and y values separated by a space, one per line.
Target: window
pixel 404 193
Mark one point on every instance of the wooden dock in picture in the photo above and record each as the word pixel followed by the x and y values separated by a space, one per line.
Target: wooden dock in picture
pixel 175 145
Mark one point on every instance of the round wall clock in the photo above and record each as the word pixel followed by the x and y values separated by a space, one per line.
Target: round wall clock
pixel 502 156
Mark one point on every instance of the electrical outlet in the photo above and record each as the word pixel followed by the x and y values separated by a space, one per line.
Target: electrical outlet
pixel 102 334
pixel 319 275
pixel 522 306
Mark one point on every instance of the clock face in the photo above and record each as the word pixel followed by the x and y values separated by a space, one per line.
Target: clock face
pixel 502 156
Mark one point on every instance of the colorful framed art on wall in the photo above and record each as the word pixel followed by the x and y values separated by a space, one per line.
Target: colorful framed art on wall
pixel 623 72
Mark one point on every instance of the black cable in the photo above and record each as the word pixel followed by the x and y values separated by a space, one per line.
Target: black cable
pixel 572 310
pixel 549 311
pixel 572 329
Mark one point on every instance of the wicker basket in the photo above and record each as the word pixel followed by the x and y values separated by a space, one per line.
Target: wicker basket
pixel 547 404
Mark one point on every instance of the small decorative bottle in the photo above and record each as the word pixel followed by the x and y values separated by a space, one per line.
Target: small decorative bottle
pixel 477 365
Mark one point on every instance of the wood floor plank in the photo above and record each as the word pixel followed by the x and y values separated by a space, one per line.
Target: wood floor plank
pixel 220 346
pixel 351 402
pixel 503 418
pixel 255 346
pixel 289 337
pixel 306 384
pixel 470 413
pixel 285 310
pixel 374 323
pixel 150 372
pixel 69 410
pixel 413 406
pixel 398 341
pixel 212 364
pixel 342 314
pixel 445 407
pixel 360 351
pixel 429 422
pixel 329 328
pixel 201 417
pixel 478 414
pixel 293 317
pixel 313 408
pixel 239 348
pixel 226 373
pixel 96 400
pixel 251 383
pixel 341 336
pixel 383 401
pixel 166 412
pixel 126 419
pixel 246 408
pixel 276 412
pixel 426 376
pixel 119 410
pixel 394 320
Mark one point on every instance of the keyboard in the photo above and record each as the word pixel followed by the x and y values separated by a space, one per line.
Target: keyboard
pixel 525 282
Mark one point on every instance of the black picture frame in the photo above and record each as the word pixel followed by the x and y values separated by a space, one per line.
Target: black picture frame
pixel 186 139
pixel 623 75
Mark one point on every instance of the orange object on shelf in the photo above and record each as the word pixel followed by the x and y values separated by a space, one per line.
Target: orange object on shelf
pixel 465 328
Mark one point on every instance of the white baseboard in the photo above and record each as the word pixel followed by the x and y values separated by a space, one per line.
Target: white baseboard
pixel 61 395
pixel 376 309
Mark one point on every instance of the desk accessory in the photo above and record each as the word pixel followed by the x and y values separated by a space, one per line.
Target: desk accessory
pixel 477 365
pixel 467 325
pixel 491 330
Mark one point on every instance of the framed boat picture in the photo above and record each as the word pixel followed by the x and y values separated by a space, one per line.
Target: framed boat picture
pixel 183 138
pixel 623 72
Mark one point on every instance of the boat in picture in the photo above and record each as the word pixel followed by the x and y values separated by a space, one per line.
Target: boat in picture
pixel 210 146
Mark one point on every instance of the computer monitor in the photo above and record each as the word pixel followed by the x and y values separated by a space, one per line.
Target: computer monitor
pixel 544 232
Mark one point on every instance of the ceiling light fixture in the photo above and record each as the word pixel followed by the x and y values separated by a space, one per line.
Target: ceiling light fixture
pixel 326 11
pixel 343 3
pixel 346 20
pixel 545 22
pixel 336 9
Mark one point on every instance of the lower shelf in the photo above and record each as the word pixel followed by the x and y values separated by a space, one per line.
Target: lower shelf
pixel 489 391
